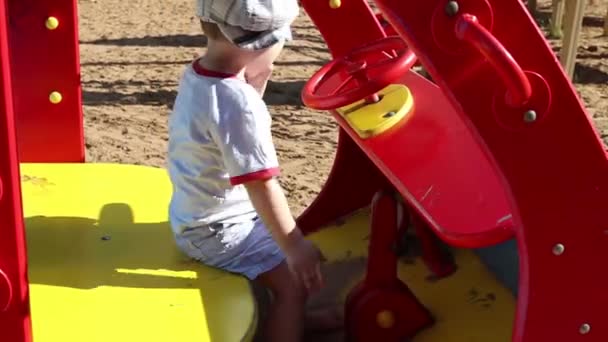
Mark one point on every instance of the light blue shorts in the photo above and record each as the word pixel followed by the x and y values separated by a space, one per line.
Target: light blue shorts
pixel 220 246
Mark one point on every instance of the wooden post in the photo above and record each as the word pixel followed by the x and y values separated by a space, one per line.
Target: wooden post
pixel 606 24
pixel 557 19
pixel 573 20
pixel 532 6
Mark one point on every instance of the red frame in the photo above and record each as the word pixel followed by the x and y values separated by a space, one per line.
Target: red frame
pixel 14 299
pixel 562 201
pixel 47 132
pixel 556 184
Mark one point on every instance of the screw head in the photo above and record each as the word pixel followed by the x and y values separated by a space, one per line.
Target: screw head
pixel 385 319
pixel 52 23
pixel 452 8
pixel 388 115
pixel 530 116
pixel 335 4
pixel 584 329
pixel 106 238
pixel 55 97
pixel 559 249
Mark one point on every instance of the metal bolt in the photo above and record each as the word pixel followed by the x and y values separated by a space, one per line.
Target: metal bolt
pixel 452 8
pixel 584 329
pixel 385 319
pixel 558 249
pixel 52 23
pixel 530 116
pixel 335 4
pixel 55 97
pixel 388 115
pixel 106 238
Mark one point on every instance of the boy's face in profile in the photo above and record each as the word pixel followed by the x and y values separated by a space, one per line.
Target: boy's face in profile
pixel 257 64
pixel 259 70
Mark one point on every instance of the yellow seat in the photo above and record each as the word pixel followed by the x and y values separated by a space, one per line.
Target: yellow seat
pixel 103 265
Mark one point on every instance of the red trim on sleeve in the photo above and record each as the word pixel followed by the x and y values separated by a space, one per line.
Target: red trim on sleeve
pixel 258 175
pixel 209 73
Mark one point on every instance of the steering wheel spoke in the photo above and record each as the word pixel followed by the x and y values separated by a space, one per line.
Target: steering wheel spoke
pixel 348 79
pixel 380 64
pixel 393 53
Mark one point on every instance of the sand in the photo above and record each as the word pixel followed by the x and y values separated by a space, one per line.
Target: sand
pixel 132 56
pixel 133 52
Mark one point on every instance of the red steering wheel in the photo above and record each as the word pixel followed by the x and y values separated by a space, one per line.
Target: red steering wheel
pixel 359 74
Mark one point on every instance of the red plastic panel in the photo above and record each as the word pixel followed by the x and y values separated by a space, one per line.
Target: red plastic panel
pixel 14 302
pixel 388 29
pixel 552 160
pixel 438 167
pixel 466 207
pixel 345 28
pixel 43 61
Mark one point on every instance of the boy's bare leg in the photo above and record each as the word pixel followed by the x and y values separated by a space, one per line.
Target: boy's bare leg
pixel 287 315
pixel 286 312
pixel 260 69
pixel 324 319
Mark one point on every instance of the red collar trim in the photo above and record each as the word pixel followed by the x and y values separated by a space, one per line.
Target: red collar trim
pixel 209 73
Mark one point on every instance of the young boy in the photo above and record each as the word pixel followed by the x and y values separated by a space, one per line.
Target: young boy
pixel 227 210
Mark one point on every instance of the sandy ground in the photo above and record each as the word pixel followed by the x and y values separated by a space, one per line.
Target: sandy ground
pixel 133 52
pixel 132 56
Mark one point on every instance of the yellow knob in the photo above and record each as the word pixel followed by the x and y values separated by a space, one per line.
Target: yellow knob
pixel 385 319
pixel 55 97
pixel 335 3
pixel 52 23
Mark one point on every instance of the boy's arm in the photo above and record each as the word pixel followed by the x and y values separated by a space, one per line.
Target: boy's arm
pixel 271 205
pixel 245 141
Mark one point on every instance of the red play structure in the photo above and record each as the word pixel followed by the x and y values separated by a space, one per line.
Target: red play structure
pixel 498 147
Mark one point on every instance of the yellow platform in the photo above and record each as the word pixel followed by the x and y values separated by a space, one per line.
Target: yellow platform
pixel 103 267
pixel 469 306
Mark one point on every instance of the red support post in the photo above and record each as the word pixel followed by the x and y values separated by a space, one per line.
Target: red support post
pixel 15 323
pixel 45 64
pixel 382 307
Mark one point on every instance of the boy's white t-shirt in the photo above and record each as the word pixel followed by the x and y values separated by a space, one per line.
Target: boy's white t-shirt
pixel 219 138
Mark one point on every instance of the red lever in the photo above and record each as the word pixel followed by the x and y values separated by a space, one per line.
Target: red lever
pixel 518 86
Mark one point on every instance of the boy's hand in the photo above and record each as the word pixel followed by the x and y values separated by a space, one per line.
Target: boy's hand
pixel 304 261
pixel 303 257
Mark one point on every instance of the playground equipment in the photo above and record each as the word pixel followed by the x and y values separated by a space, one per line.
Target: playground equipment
pixel 474 159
